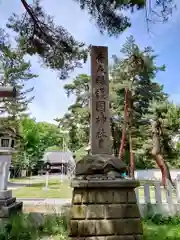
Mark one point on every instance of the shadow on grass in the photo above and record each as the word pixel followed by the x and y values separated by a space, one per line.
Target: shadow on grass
pixel 19 185
pixel 54 185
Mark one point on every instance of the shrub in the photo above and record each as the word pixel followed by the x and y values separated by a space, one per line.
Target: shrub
pixel 23 227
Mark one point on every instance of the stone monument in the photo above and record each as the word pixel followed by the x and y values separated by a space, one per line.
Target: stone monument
pixel 8 204
pixel 104 203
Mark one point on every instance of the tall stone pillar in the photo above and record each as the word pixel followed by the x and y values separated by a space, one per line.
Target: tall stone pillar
pixel 104 204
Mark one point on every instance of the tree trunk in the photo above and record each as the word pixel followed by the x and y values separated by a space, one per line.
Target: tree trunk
pixel 156 153
pixel 123 138
pixel 113 136
pixel 132 165
pixel 129 118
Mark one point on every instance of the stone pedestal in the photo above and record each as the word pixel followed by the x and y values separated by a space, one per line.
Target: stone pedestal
pixel 105 210
pixel 8 204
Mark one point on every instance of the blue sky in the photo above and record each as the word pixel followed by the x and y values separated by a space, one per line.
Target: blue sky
pixel 50 99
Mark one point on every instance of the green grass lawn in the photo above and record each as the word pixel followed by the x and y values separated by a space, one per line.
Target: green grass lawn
pixel 161 232
pixel 56 189
pixel 60 190
pixel 22 179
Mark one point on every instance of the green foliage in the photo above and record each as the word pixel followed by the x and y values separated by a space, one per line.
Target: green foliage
pixel 55 226
pixel 36 139
pixel 155 224
pixel 80 153
pixel 49 135
pixel 21 227
pixel 37 32
pixel 168 115
pixel 15 71
pixel 159 219
pixel 137 71
pixel 161 232
pixel 76 120
pixel 53 148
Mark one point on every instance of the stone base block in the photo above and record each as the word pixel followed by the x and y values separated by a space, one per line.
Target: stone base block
pixel 105 210
pixel 8 204
pixel 14 208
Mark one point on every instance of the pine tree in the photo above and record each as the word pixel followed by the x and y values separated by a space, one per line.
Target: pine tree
pixel 78 113
pixel 15 71
pixel 164 127
pixel 132 80
pixel 58 49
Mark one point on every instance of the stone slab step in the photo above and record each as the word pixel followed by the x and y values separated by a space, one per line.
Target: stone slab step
pixel 7 202
pixel 6 211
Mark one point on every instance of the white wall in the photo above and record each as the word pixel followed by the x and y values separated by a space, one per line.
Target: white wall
pixel 154 174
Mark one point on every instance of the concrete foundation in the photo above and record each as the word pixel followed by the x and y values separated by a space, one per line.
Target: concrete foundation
pixel 105 210
pixel 8 204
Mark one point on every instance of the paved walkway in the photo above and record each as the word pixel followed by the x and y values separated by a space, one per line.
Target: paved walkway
pixel 45 201
pixel 16 185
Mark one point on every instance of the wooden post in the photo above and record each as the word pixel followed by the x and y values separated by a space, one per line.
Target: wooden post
pixel 47 180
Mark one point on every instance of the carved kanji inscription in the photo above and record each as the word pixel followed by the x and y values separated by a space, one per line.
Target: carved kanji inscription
pixel 100 106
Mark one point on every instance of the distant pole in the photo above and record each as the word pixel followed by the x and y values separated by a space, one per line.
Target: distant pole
pixel 62 170
pixel 47 180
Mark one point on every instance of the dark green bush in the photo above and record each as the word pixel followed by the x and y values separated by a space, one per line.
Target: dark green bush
pixel 158 219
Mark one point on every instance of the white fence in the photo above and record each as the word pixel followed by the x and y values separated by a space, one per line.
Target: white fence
pixel 151 197
pixel 155 174
pixel 154 197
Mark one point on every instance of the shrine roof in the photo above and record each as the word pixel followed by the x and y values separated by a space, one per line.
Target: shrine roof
pixel 55 157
